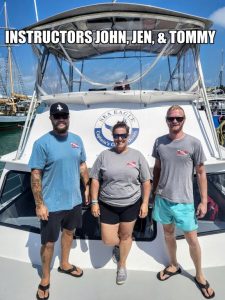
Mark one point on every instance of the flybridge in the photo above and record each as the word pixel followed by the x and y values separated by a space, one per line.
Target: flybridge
pixel 118 60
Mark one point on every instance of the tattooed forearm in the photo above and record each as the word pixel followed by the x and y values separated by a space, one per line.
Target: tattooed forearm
pixel 36 186
pixel 84 174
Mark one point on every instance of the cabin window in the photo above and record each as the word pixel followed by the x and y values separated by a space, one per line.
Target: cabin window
pixel 214 220
pixel 17 209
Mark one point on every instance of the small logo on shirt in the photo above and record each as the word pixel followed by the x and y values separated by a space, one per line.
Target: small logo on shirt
pixel 182 152
pixel 132 164
pixel 74 145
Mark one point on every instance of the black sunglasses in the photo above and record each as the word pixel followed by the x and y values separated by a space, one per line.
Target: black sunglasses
pixel 61 116
pixel 171 119
pixel 123 136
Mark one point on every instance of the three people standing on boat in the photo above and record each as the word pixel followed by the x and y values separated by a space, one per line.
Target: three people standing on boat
pixel 175 156
pixel 120 191
pixel 57 163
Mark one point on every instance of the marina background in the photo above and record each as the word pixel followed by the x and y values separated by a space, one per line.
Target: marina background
pixel 9 141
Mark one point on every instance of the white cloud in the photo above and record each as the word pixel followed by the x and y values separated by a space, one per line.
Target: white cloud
pixel 218 17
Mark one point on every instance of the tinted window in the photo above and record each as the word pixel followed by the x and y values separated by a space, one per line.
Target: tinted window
pixel 214 220
pixel 17 208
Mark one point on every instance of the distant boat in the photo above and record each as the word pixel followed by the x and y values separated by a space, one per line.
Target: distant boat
pixel 13 105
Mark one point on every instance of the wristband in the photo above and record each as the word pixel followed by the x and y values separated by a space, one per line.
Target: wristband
pixel 93 202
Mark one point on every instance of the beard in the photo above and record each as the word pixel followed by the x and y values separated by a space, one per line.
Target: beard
pixel 176 130
pixel 59 129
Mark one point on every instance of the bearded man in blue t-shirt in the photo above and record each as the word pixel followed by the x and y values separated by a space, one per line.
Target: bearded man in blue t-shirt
pixel 57 163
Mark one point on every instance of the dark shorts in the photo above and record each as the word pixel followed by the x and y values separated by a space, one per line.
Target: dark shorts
pixel 66 219
pixel 113 214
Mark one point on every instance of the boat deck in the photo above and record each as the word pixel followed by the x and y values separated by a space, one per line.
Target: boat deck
pixel 19 281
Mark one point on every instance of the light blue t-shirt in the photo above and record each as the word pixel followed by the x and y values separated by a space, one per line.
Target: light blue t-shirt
pixel 59 157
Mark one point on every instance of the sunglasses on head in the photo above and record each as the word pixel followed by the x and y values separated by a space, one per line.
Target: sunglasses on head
pixel 123 136
pixel 178 119
pixel 61 116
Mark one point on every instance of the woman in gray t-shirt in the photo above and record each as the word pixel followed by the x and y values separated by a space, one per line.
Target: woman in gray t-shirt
pixel 120 191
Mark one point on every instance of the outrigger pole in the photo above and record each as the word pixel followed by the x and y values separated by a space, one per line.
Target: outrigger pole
pixel 36 11
pixel 31 110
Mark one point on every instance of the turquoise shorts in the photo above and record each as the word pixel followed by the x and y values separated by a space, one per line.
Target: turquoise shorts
pixel 180 214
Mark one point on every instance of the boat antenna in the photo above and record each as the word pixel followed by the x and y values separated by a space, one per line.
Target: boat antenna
pixel 36 11
pixel 221 71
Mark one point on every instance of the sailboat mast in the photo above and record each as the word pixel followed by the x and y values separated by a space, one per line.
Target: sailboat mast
pixel 9 54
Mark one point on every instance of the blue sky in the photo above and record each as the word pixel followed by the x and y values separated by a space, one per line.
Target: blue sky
pixel 22 13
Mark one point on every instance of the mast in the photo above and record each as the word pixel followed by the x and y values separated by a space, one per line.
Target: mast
pixel 221 71
pixel 9 54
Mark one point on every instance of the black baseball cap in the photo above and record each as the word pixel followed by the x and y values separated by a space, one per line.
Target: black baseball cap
pixel 59 108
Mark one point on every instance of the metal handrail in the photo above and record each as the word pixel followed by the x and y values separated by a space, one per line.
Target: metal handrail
pixel 207 107
pixel 26 128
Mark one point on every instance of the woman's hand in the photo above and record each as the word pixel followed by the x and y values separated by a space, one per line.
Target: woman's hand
pixel 143 210
pixel 95 210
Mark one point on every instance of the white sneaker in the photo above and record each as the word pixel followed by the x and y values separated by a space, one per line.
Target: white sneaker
pixel 121 276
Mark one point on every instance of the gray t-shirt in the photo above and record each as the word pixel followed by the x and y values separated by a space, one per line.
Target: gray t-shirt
pixel 120 176
pixel 178 159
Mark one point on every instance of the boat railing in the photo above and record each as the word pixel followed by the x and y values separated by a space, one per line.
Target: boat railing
pixel 27 126
pixel 207 108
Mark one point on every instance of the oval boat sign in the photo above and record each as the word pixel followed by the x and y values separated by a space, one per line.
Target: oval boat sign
pixel 105 123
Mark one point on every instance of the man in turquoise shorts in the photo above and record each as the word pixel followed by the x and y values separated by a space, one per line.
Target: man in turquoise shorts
pixel 175 156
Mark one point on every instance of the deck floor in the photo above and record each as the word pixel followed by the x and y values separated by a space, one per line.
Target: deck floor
pixel 19 281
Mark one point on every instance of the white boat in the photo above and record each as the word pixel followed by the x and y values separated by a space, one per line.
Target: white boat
pixel 96 100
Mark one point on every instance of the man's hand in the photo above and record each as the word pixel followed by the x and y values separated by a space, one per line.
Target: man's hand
pixel 143 210
pixel 201 210
pixel 42 212
pixel 202 183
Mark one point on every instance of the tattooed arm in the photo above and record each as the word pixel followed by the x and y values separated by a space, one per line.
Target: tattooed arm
pixel 85 179
pixel 36 186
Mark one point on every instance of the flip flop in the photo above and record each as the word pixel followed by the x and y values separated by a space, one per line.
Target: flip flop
pixel 166 272
pixel 70 271
pixel 205 286
pixel 43 288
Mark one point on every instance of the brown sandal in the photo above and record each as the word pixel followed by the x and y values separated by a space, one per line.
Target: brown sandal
pixel 205 286
pixel 43 288
pixel 70 271
pixel 166 272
